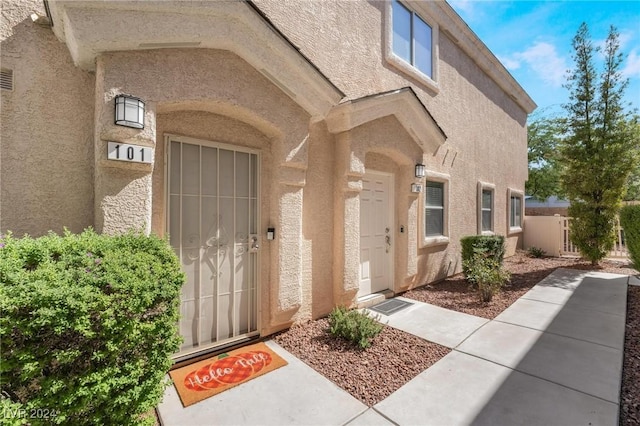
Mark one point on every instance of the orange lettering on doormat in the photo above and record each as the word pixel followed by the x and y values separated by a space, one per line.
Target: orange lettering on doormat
pixel 206 378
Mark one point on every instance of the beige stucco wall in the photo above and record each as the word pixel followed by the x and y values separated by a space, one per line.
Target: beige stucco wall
pixel 318 224
pixel 211 95
pixel 310 177
pixel 486 129
pixel 46 154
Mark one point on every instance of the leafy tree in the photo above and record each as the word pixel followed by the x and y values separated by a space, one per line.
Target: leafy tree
pixel 633 186
pixel 601 147
pixel 543 138
pixel 633 182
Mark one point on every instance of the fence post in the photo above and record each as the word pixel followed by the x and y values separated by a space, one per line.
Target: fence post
pixel 559 234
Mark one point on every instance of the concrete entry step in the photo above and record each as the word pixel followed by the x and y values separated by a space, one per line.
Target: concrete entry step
pixel 373 299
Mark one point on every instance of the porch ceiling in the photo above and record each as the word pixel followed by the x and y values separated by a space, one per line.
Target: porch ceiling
pixel 402 103
pixel 90 28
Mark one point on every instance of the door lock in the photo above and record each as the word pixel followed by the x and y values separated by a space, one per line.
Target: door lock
pixel 253 243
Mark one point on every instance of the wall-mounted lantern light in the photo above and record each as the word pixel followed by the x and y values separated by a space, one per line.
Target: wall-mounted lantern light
pixel 416 188
pixel 420 170
pixel 129 111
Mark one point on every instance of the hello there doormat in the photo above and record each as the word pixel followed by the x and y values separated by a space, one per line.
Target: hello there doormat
pixel 206 378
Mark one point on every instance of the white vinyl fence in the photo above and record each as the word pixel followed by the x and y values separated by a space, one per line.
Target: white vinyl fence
pixel 551 233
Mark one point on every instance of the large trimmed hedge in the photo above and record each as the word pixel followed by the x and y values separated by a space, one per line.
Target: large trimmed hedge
pixel 88 325
pixel 491 246
pixel 630 222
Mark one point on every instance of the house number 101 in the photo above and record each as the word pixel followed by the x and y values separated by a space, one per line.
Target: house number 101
pixel 131 153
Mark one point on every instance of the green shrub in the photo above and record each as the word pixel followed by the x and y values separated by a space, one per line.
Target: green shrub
pixel 630 222
pixel 88 325
pixel 12 413
pixel 487 273
pixel 491 246
pixel 536 252
pixel 354 326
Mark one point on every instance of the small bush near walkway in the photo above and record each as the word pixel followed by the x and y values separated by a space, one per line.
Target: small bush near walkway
pixel 491 246
pixel 88 327
pixel 487 273
pixel 536 252
pixel 630 222
pixel 357 327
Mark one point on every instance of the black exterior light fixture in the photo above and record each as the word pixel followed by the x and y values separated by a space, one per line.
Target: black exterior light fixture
pixel 420 170
pixel 129 111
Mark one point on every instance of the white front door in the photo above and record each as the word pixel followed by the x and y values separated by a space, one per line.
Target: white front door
pixel 376 226
pixel 212 222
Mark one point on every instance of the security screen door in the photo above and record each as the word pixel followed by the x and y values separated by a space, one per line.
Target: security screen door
pixel 212 220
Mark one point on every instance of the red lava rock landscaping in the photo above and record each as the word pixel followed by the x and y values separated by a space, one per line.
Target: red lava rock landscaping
pixel 396 357
pixel 454 292
pixel 630 394
pixel 370 375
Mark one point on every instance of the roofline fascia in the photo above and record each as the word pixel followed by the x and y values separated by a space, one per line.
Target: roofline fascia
pixel 469 41
pixel 275 29
pixel 400 90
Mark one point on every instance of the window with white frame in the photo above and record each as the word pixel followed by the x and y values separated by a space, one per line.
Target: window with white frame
pixel 515 210
pixel 411 45
pixel 435 203
pixel 434 209
pixel 486 195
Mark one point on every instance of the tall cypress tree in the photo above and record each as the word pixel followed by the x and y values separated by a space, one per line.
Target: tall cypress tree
pixel 601 149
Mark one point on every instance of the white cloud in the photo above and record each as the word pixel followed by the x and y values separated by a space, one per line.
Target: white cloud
pixel 544 60
pixel 509 63
pixel 632 67
pixel 623 39
pixel 465 6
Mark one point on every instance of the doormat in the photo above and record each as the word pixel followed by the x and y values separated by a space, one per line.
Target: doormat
pixel 390 306
pixel 206 378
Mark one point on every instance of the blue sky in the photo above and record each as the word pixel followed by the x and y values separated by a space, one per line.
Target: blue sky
pixel 532 39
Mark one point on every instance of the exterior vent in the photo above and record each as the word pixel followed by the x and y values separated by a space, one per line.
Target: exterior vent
pixel 6 79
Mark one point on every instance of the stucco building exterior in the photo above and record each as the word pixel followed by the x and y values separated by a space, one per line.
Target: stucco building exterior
pixel 286 141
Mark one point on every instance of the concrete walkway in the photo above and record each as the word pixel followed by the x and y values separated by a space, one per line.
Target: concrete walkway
pixel 553 358
pixel 295 394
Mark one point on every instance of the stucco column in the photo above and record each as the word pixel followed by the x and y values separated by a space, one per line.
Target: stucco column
pixel 122 191
pixel 413 229
pixel 287 274
pixel 346 272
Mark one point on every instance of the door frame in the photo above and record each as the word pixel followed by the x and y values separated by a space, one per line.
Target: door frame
pixel 392 227
pixel 168 138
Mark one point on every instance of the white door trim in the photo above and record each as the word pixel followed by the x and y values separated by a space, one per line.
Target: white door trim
pixel 391 224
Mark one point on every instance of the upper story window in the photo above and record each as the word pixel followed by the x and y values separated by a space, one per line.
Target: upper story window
pixel 412 38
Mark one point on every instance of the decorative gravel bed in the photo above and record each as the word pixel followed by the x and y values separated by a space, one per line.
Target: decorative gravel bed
pixel 454 292
pixel 371 374
pixel 630 394
pixel 396 357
